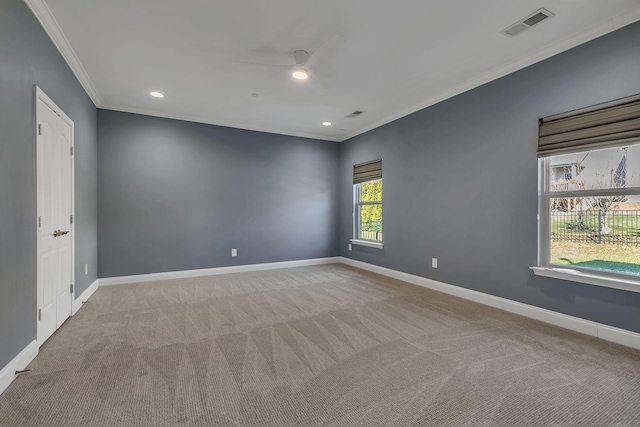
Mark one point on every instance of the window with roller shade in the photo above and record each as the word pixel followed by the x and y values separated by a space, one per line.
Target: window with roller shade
pixel 590 189
pixel 367 206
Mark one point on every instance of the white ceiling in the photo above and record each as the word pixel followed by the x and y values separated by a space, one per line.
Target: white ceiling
pixel 386 58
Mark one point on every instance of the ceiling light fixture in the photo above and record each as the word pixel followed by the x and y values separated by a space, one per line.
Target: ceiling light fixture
pixel 326 123
pixel 300 74
pixel 157 94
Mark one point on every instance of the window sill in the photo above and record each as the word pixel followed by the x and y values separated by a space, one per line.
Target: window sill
pixel 368 243
pixel 588 278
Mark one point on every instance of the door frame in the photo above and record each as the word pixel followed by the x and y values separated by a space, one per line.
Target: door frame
pixel 40 95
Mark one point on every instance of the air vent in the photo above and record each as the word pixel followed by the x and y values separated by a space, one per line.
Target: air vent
pixel 514 30
pixel 527 22
pixel 538 17
pixel 354 114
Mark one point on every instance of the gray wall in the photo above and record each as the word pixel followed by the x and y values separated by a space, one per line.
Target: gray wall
pixel 28 58
pixel 460 181
pixel 176 195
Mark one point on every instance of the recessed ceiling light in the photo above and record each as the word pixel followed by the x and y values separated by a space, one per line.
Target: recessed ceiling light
pixel 300 74
pixel 157 94
pixel 326 123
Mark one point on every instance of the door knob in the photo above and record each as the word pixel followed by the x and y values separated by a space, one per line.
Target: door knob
pixel 59 233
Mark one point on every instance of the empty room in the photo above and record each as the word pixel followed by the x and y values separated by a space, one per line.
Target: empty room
pixel 305 213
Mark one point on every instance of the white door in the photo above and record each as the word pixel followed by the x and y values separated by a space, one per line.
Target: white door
pixel 54 216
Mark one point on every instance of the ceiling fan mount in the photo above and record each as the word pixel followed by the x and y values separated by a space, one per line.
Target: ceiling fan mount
pixel 300 72
pixel 301 57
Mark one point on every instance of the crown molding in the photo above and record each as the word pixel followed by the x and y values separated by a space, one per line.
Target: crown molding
pixel 44 15
pixel 626 19
pixel 551 50
pixel 196 119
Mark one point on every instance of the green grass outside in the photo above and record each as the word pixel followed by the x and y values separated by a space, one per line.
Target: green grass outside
pixel 618 258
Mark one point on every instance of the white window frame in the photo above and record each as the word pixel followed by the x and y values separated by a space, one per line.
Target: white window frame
pixel 590 276
pixel 357 203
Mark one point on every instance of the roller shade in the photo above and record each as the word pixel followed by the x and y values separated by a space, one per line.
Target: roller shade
pixel 367 171
pixel 604 125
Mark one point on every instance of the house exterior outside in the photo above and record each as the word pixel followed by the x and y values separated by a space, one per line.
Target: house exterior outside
pixel 592 170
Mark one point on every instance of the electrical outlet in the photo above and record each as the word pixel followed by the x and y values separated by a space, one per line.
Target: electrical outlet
pixel 234 252
pixel 86 269
pixel 349 246
pixel 434 262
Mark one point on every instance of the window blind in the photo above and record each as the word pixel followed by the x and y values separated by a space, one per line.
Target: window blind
pixel 367 171
pixel 604 125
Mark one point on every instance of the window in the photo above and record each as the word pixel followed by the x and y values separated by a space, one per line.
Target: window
pixel 592 220
pixel 369 210
pixel 367 206
pixel 589 223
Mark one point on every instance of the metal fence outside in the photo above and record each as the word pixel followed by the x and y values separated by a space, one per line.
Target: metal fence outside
pixel 597 226
pixel 371 230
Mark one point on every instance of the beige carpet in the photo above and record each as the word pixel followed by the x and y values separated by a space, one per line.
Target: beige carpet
pixel 316 346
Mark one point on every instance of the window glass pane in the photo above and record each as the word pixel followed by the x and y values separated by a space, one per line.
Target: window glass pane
pixel 370 222
pixel 596 232
pixel 595 170
pixel 371 191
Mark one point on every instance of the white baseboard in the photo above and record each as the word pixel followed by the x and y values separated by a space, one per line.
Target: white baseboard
pixel 215 271
pixel 21 361
pixel 77 303
pixel 605 332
